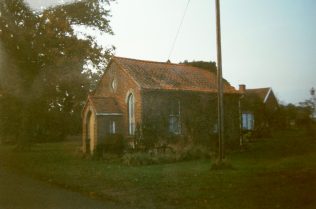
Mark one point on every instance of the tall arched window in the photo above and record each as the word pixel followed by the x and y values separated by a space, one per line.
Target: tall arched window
pixel 131 114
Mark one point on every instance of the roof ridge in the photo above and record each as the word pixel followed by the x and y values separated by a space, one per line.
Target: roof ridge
pixel 259 88
pixel 158 62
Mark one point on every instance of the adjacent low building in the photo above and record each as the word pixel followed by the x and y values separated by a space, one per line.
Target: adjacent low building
pixel 258 107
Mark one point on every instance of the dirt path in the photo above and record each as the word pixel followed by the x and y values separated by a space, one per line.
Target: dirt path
pixel 21 192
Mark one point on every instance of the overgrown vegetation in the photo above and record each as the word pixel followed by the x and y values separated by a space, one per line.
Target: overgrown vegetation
pixel 285 117
pixel 278 172
pixel 166 154
pixel 46 72
pixel 297 117
pixel 113 145
pixel 209 66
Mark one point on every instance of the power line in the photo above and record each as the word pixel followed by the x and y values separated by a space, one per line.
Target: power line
pixel 179 29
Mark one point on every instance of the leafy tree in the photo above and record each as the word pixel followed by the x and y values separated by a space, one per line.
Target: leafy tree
pixel 292 116
pixel 210 66
pixel 43 74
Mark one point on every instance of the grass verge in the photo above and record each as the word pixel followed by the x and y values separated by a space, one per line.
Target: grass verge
pixel 272 173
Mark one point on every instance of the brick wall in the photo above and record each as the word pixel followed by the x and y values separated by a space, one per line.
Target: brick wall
pixel 124 86
pixel 198 114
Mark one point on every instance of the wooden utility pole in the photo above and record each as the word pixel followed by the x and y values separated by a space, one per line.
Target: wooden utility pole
pixel 219 85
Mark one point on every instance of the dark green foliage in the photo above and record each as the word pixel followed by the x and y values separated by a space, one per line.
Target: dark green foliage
pixel 150 135
pixel 113 144
pixel 198 116
pixel 9 118
pixel 170 155
pixel 293 115
pixel 264 117
pixel 194 152
pixel 88 12
pixel 274 173
pixel 143 158
pixel 43 74
pixel 209 66
pixel 297 117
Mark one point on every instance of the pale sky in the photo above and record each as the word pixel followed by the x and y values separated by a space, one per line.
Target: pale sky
pixel 266 43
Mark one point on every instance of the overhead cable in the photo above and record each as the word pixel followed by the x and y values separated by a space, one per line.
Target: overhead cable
pixel 179 29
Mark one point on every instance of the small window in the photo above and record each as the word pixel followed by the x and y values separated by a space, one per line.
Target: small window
pixel 174 118
pixel 112 127
pixel 248 121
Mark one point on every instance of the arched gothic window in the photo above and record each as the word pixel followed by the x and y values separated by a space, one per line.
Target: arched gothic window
pixel 131 114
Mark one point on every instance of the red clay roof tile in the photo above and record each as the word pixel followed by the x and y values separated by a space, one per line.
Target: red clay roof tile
pixel 167 76
pixel 104 104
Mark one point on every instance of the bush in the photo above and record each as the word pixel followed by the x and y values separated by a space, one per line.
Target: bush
pixel 138 158
pixel 114 144
pixel 181 153
pixel 143 158
pixel 311 130
pixel 194 152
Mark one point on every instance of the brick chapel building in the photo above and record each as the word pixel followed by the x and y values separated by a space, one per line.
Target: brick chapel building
pixel 169 99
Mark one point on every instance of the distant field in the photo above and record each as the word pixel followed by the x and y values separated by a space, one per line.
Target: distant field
pixel 272 173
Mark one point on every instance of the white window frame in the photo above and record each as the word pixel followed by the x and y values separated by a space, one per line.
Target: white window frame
pixel 112 127
pixel 248 121
pixel 175 119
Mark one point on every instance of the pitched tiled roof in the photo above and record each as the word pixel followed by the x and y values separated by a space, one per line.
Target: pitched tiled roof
pixel 104 104
pixel 166 76
pixel 260 92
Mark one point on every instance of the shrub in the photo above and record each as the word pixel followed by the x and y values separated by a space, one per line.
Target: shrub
pixel 138 158
pixel 113 144
pixel 144 158
pixel 194 152
pixel 189 152
pixel 247 136
pixel 311 129
pixel 150 135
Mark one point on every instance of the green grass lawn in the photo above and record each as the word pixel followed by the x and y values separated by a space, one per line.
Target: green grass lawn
pixel 272 173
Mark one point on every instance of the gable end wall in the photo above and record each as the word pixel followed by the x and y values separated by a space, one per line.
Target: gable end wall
pixel 124 85
pixel 272 102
